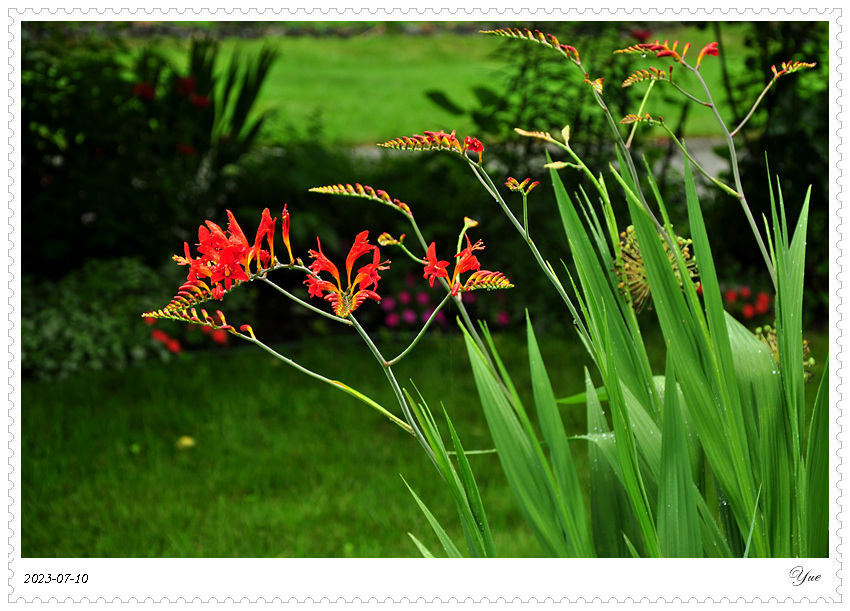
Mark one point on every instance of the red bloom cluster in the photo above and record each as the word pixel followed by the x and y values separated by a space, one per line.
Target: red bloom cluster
pixel 345 301
pixel 436 140
pixel 749 307
pixel 226 257
pixel 466 261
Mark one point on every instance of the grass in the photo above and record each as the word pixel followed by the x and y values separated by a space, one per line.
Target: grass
pixel 283 466
pixel 371 88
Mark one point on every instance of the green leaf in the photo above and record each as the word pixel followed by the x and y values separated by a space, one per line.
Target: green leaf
pixel 448 544
pixel 478 517
pixel 519 455
pixel 611 514
pixel 678 516
pixel 817 473
pixel 422 549
pixel 569 496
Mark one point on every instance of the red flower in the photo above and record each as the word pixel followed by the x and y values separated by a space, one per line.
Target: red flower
pixel 709 49
pixel 345 301
pixel 466 261
pixel 264 231
pixel 285 227
pixel 225 257
pixel 745 292
pixel 731 296
pixel 219 336
pixel 748 311
pixel 474 145
pixel 434 269
pixel 143 90
pixel 762 303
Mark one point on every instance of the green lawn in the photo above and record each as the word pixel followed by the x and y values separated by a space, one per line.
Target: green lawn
pixel 371 88
pixel 282 466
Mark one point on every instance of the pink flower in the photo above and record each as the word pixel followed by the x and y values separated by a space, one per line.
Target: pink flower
pixel 392 319
pixel 503 318
pixel 388 304
pixel 409 316
pixel 404 297
pixel 422 298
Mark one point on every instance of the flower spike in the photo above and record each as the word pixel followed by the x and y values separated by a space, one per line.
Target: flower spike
pixel 650 74
pixel 436 141
pixel 789 67
pixel 366 192
pixel 483 279
pixel 547 40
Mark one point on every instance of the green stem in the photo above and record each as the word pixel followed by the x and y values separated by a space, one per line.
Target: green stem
pixel 485 179
pixel 640 110
pixel 399 394
pixel 461 307
pixel 336 384
pixel 755 105
pixel 736 172
pixel 303 303
pixel 694 162
pixel 421 332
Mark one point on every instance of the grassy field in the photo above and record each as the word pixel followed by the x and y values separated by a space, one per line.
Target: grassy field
pixel 371 88
pixel 282 466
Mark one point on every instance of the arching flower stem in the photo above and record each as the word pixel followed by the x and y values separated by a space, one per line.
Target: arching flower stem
pixel 336 384
pixel 301 302
pixel 485 180
pixel 427 324
pixel 397 390
pixel 736 172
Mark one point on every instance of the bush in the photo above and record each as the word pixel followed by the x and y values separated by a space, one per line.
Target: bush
pixel 90 319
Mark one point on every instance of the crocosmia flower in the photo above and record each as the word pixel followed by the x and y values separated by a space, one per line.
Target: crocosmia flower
pixel 466 261
pixel 357 290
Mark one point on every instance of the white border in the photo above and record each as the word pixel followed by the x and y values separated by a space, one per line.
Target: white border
pixel 411 580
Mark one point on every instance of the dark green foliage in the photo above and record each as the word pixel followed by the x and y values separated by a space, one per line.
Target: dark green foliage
pixel 787 137
pixel 123 153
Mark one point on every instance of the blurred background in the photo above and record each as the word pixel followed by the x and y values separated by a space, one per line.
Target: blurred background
pixel 162 439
